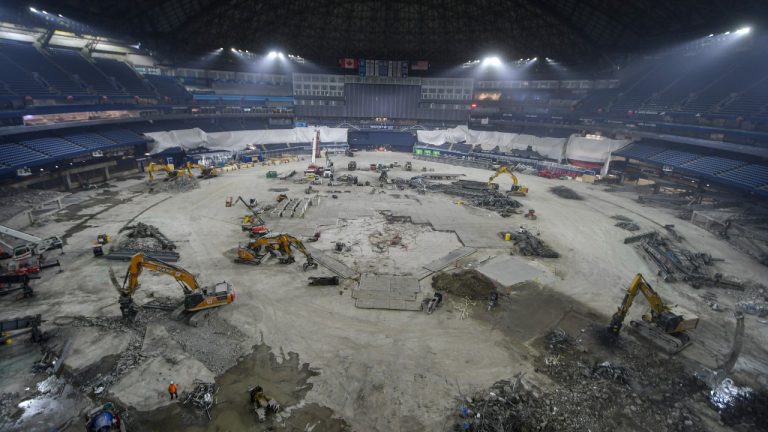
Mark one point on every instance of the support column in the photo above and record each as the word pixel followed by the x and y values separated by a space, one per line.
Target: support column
pixel 106 173
pixel 67 181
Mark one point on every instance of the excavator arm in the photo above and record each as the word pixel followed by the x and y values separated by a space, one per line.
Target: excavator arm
pixel 516 187
pixel 638 284
pixel 139 262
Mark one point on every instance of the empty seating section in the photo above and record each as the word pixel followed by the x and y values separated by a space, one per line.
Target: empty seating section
pixel 20 82
pixel 30 59
pixel 17 156
pixel 126 76
pixel 461 147
pixel 90 140
pixel 167 86
pixel 76 64
pixel 712 165
pixel 122 136
pixel 639 151
pixel 753 175
pixel 674 157
pixel 54 147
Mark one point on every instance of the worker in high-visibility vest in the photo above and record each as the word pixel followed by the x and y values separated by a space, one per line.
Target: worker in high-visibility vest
pixel 172 390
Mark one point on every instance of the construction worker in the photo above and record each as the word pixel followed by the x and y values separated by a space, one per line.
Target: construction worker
pixel 172 390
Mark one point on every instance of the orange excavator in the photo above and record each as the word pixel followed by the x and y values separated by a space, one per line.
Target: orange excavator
pixel 196 298
pixel 281 245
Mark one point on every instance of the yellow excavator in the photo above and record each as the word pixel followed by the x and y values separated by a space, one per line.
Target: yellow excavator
pixel 516 189
pixel 171 171
pixel 663 325
pixel 206 172
pixel 283 244
pixel 196 298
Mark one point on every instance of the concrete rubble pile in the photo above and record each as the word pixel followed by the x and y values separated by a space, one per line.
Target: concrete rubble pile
pixel 174 185
pixel 564 192
pixel 588 393
pixel 17 200
pixel 469 284
pixel 753 300
pixel 529 244
pixel 143 237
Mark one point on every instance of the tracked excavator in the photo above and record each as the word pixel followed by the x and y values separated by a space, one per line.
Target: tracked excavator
pixel 170 170
pixel 206 172
pixel 516 189
pixel 664 325
pixel 283 244
pixel 196 298
pixel 253 223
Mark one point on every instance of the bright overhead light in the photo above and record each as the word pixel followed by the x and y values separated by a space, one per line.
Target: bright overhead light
pixel 233 50
pixel 743 30
pixel 280 55
pixel 61 16
pixel 492 61
pixel 711 34
pixel 272 54
pixel 535 58
pixel 727 32
pixel 31 9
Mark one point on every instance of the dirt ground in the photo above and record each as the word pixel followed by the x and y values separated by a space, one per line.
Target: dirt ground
pixel 342 368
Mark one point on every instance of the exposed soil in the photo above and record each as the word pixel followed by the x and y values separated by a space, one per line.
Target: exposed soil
pixel 564 192
pixel 466 283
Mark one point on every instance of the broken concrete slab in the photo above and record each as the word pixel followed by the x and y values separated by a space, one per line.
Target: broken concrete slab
pixel 510 270
pixel 92 344
pixel 387 292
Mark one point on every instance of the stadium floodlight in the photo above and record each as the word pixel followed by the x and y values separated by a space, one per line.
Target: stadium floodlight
pixel 31 9
pixel 727 33
pixel 272 55
pixel 492 61
pixel 279 54
pixel 61 16
pixel 535 58
pixel 233 50
pixel 711 35
pixel 743 31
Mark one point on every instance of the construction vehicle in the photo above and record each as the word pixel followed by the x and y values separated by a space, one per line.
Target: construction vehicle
pixel 348 152
pixel 32 244
pixel 253 223
pixel 281 245
pixel 16 282
pixel 104 418
pixel 98 245
pixel 408 166
pixel 20 325
pixel 206 172
pixel 516 189
pixel 352 166
pixel 664 325
pixel 196 298
pixel 271 174
pixel 171 171
pixel 262 404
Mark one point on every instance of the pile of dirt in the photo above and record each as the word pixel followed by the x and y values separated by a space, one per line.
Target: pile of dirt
pixel 466 283
pixel 564 192
pixel 143 237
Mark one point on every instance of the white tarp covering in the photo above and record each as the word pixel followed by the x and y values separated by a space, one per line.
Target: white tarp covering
pixel 548 147
pixel 238 140
pixel 592 150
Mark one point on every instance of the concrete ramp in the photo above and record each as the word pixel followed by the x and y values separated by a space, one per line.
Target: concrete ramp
pixel 332 264
pixel 444 261
pixel 387 292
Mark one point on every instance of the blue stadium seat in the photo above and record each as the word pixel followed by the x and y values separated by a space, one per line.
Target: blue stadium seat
pixel 74 63
pixel 126 76
pixel 753 175
pixel 674 157
pixel 90 140
pixel 123 136
pixel 712 165
pixel 639 151
pixel 55 147
pixel 17 156
pixel 168 86
pixel 30 59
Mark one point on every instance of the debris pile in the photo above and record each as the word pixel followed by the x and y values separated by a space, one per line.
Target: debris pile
pixel 203 397
pixel 144 237
pixel 17 200
pixel 636 390
pixel 565 192
pixel 528 244
pixel 176 184
pixel 469 284
pixel 625 223
pixel 753 300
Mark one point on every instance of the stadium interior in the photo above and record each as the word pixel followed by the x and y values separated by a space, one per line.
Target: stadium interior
pixel 448 209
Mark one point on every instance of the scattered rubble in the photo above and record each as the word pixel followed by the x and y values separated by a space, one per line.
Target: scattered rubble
pixel 469 284
pixel 528 244
pixel 17 200
pixel 753 300
pixel 565 192
pixel 626 223
pixel 176 184
pixel 144 237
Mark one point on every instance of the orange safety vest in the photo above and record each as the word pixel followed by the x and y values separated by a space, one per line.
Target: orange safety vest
pixel 172 388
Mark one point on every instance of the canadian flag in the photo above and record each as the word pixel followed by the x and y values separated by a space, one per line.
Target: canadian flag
pixel 348 63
